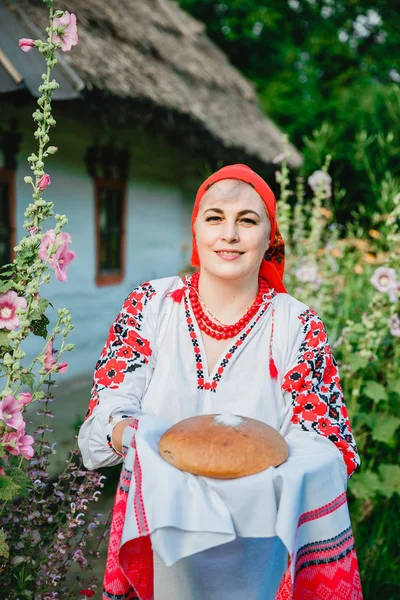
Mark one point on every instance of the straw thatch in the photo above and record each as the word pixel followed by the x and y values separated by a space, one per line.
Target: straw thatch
pixel 154 53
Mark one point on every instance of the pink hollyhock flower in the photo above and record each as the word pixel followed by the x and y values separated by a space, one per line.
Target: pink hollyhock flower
pixel 384 279
pixel 9 302
pixel 65 31
pixel 321 180
pixel 394 325
pixel 49 361
pixel 26 44
pixel 10 412
pixel 19 443
pixel 25 398
pixel 62 257
pixel 60 261
pixel 43 182
pixel 62 367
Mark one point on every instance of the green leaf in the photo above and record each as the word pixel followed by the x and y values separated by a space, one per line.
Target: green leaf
pixel 4 339
pixel 384 428
pixel 364 419
pixel 43 304
pixel 365 485
pixel 27 379
pixel 8 489
pixel 394 386
pixel 21 479
pixel 4 550
pixel 357 362
pixel 375 391
pixel 5 286
pixel 39 326
pixel 390 475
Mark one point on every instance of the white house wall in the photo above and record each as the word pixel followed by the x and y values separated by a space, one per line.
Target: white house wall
pixel 157 245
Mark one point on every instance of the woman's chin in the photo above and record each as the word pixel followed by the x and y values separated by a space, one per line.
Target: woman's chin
pixel 227 270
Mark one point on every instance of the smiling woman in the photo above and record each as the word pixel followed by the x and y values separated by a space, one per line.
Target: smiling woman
pixel 232 232
pixel 228 339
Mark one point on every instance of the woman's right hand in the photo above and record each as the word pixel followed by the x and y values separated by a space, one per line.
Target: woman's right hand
pixel 118 432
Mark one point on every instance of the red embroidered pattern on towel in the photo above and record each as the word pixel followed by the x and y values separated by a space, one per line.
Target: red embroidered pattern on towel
pixel 324 569
pixel 136 557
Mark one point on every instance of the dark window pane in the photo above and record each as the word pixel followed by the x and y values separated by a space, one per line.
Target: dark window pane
pixel 5 224
pixel 110 204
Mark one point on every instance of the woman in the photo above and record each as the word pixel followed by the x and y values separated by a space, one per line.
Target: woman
pixel 227 339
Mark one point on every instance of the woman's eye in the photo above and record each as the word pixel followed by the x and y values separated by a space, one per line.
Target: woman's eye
pixel 249 221
pixel 214 218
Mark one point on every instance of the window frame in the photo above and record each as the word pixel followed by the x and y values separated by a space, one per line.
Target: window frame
pixel 8 175
pixel 103 279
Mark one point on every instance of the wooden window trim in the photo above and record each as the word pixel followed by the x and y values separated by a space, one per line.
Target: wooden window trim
pixel 113 278
pixel 9 176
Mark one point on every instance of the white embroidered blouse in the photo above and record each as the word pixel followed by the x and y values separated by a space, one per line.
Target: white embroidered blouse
pixel 154 363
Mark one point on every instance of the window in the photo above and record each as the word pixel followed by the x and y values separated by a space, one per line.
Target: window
pixel 7 227
pixel 110 230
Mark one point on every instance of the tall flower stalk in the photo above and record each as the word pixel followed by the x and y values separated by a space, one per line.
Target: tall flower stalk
pixel 44 523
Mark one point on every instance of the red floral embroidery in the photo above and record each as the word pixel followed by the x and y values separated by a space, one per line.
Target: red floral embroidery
pixel 326 427
pixel 310 407
pixel 126 349
pixel 314 385
pixel 94 400
pixel 316 334
pixel 112 374
pixel 138 343
pixel 125 352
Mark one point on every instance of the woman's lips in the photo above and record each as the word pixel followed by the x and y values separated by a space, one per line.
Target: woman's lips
pixel 229 255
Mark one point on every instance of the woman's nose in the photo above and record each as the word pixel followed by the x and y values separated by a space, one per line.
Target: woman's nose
pixel 230 232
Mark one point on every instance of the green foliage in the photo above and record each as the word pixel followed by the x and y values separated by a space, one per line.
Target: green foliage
pixel 8 488
pixel 332 274
pixel 326 70
pixel 4 550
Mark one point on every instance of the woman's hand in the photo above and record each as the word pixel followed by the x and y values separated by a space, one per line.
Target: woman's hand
pixel 118 432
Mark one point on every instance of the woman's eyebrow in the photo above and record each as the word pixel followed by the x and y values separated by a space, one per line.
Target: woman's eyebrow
pixel 240 213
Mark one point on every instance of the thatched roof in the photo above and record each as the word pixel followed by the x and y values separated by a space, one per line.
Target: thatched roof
pixel 155 53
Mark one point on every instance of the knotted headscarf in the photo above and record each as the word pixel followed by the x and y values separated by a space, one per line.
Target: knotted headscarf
pixel 273 264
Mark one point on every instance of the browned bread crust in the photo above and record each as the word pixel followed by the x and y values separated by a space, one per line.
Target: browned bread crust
pixel 211 447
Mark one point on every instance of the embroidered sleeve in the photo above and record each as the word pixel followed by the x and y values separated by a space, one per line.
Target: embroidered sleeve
pixel 121 376
pixel 313 384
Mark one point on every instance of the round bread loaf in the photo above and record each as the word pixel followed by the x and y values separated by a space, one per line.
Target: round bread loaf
pixel 223 446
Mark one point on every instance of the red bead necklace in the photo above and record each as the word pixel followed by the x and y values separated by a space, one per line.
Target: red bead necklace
pixel 219 331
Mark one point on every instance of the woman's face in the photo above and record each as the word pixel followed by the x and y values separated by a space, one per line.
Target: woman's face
pixel 232 230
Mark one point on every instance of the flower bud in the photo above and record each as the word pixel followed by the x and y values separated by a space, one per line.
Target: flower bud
pixel 52 149
pixel 69 347
pixel 7 359
pixel 28 179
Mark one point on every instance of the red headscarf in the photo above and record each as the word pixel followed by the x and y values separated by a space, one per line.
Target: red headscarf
pixel 273 263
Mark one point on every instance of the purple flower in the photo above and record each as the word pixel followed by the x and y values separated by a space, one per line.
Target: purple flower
pixel 10 412
pixel 384 279
pixel 394 325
